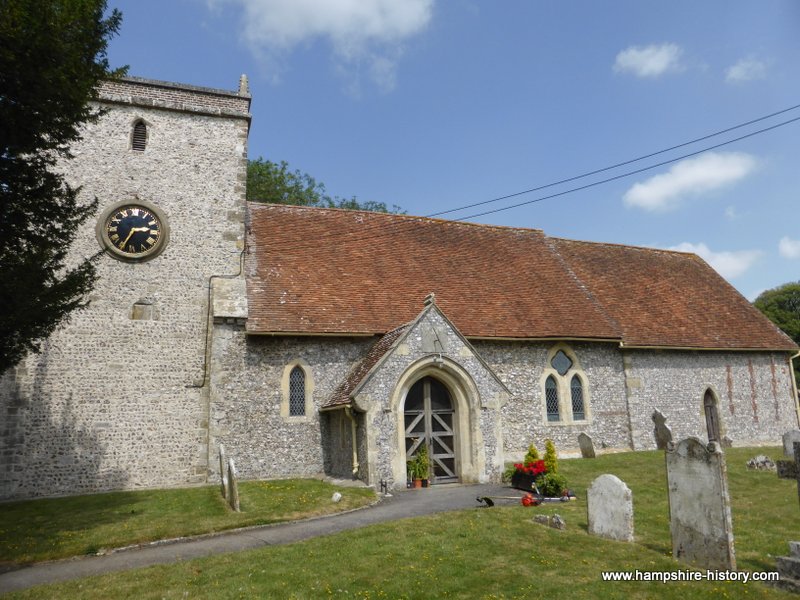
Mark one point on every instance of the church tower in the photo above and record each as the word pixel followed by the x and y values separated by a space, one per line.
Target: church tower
pixel 118 397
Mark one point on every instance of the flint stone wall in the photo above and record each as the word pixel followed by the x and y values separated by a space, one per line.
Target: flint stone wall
pixel 753 389
pixel 521 366
pixel 246 402
pixel 110 402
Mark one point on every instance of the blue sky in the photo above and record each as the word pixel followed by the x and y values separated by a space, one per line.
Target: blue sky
pixel 434 105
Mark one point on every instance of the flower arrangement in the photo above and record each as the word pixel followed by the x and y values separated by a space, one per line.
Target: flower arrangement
pixel 539 475
pixel 534 468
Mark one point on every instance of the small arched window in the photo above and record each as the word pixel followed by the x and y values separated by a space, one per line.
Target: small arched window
pixel 297 392
pixel 576 390
pixel 139 136
pixel 551 399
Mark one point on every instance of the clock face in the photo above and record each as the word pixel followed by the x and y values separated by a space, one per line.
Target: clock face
pixel 133 231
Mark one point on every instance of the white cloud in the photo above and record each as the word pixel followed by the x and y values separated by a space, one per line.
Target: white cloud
pixel 690 177
pixel 649 61
pixel 789 248
pixel 731 213
pixel 360 32
pixel 728 264
pixel 747 69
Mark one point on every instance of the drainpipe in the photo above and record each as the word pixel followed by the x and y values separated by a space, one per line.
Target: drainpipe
pixel 348 411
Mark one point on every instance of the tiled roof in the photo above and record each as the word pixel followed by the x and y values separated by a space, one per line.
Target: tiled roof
pixel 665 298
pixel 341 395
pixel 329 271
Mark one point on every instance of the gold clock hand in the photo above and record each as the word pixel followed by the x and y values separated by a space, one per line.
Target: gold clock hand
pixel 130 233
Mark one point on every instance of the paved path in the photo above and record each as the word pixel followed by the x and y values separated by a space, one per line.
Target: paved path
pixel 399 506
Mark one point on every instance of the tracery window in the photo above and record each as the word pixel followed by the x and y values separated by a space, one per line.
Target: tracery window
pixel 566 398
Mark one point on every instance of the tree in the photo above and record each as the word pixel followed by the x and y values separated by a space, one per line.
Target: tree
pixel 52 57
pixel 782 306
pixel 274 182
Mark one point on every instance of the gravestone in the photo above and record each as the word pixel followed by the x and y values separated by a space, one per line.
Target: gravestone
pixel 789 566
pixel 609 506
pixel 662 431
pixel 699 505
pixel 233 486
pixel 587 447
pixel 223 472
pixel 789 438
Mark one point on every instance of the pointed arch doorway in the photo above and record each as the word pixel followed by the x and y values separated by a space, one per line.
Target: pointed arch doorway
pixel 429 419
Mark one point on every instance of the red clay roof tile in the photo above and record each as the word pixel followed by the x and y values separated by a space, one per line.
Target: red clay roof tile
pixel 317 271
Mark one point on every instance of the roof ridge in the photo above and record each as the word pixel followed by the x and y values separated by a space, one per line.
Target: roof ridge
pixel 618 245
pixel 396 216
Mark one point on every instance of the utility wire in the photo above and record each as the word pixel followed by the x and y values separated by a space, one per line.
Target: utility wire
pixel 621 164
pixel 400 222
pixel 629 173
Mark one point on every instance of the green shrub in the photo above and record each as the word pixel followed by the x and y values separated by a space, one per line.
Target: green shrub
pixel 550 459
pixel 508 473
pixel 552 484
pixel 532 455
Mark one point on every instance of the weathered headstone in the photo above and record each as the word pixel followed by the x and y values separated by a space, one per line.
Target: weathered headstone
pixel 662 431
pixel 233 486
pixel 699 505
pixel 726 442
pixel 609 505
pixel 789 438
pixel 587 447
pixel 223 472
pixel 789 566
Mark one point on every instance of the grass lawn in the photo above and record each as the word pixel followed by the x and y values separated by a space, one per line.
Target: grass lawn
pixel 495 553
pixel 60 527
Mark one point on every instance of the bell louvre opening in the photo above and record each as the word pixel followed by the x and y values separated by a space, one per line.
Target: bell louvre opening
pixel 139 137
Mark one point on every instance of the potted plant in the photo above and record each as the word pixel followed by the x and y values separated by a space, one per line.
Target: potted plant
pixel 419 467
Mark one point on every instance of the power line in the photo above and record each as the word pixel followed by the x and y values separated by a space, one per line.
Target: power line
pixel 621 164
pixel 400 222
pixel 629 173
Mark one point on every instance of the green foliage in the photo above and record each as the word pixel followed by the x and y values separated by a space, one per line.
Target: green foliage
pixel 550 458
pixel 782 306
pixel 552 484
pixel 52 56
pixel 531 456
pixel 419 466
pixel 275 183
